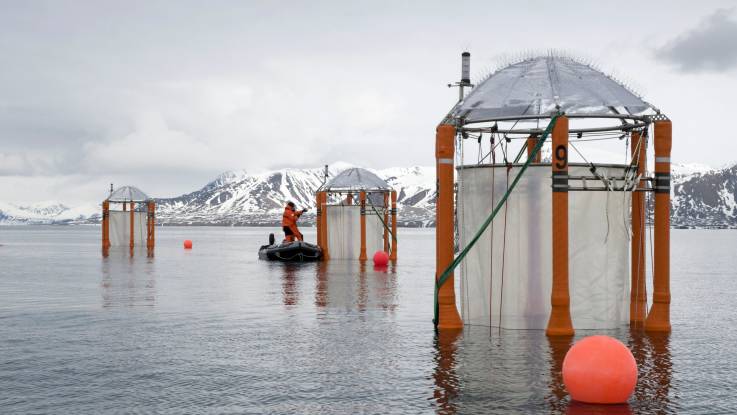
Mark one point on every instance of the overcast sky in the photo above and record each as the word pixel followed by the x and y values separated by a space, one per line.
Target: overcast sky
pixel 166 95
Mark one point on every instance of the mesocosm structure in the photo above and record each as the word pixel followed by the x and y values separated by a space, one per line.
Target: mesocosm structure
pixel 550 214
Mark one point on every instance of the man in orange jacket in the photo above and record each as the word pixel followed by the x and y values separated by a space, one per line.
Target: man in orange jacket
pixel 289 223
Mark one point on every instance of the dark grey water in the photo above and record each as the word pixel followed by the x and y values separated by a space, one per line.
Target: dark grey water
pixel 214 330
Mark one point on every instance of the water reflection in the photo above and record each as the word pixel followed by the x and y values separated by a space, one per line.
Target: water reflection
pixel 131 251
pixel 321 284
pixel 655 371
pixel 352 285
pixel 362 291
pixel 127 280
pixel 386 279
pixel 557 397
pixel 290 287
pixel 447 384
pixel 580 408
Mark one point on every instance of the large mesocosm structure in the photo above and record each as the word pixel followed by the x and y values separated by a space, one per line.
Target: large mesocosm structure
pixel 543 179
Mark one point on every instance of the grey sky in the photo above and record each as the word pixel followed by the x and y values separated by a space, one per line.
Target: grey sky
pixel 166 95
pixel 711 46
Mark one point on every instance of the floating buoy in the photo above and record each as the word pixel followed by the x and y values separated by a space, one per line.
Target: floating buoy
pixel 600 370
pixel 187 244
pixel 381 258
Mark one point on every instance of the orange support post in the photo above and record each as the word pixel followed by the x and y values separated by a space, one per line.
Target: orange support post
pixel 560 312
pixel 318 217
pixel 393 255
pixel 324 222
pixel 151 224
pixel 531 141
pixel 638 288
pixel 448 317
pixel 362 199
pixel 105 226
pixel 386 222
pixel 132 223
pixel 659 317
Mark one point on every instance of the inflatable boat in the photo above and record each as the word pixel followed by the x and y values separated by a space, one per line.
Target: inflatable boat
pixel 296 251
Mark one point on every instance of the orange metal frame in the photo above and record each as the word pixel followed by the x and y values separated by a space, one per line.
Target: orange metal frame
pixel 638 286
pixel 658 320
pixel 560 313
pixel 448 317
pixel 150 226
pixel 321 200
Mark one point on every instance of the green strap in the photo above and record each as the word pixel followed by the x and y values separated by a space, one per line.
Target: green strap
pixel 446 274
pixel 386 226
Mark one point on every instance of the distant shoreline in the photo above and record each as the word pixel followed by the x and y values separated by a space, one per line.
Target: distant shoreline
pixel 409 224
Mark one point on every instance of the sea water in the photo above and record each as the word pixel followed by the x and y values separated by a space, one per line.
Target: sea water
pixel 215 330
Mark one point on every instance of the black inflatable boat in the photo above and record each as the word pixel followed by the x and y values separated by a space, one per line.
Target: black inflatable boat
pixel 296 251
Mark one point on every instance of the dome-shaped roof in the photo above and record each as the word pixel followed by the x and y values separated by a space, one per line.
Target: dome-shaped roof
pixel 128 194
pixel 540 85
pixel 356 179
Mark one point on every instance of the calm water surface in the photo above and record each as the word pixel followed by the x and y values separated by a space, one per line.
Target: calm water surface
pixel 214 330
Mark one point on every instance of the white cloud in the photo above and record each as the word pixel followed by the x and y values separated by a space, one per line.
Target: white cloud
pixel 152 146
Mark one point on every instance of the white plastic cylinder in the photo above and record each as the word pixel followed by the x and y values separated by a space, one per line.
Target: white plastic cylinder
pixel 517 294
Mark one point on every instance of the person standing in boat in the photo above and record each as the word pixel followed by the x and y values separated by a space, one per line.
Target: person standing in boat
pixel 289 222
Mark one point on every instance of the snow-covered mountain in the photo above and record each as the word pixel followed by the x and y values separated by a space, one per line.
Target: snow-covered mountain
pixel 47 213
pixel 702 197
pixel 238 198
pixel 705 199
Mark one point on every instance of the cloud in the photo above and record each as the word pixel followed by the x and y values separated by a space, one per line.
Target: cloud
pixel 710 47
pixel 27 164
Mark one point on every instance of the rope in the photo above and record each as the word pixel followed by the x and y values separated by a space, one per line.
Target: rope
pixel 651 196
pixel 643 226
pixel 504 255
pixel 445 275
pixel 521 151
pixel 491 265
pixel 493 148
pixel 381 218
pixel 460 157
pixel 461 233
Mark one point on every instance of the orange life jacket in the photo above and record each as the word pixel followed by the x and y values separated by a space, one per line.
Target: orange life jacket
pixel 289 218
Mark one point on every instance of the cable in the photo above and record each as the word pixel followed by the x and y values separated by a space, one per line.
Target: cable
pixel 460 195
pixel 504 256
pixel 491 266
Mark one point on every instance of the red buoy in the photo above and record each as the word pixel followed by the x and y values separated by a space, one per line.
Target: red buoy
pixel 381 258
pixel 187 244
pixel 601 370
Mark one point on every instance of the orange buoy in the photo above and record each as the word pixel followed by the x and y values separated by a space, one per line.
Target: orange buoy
pixel 601 370
pixel 381 258
pixel 187 244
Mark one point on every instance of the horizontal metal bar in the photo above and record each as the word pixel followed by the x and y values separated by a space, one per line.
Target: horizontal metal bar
pixel 596 178
pixel 538 131
pixel 539 165
pixel 548 116
pixel 604 189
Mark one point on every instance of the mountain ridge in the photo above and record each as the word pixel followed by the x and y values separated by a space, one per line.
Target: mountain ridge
pixel 703 197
